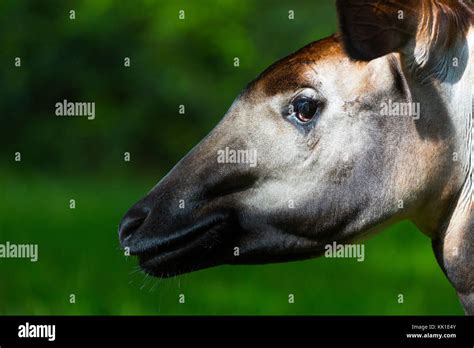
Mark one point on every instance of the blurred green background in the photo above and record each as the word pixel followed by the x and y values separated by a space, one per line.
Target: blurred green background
pixel 173 62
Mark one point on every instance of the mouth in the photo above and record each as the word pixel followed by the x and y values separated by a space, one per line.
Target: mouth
pixel 195 248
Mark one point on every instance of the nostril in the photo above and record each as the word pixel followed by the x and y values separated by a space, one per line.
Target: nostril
pixel 132 222
pixel 130 225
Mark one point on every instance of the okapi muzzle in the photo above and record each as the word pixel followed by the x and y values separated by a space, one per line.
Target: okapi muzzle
pixel 332 143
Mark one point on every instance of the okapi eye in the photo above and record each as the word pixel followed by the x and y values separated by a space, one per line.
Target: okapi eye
pixel 305 109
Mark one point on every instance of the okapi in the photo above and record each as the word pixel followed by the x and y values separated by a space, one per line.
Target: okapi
pixel 315 120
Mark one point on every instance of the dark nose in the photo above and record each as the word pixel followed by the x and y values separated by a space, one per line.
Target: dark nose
pixel 131 222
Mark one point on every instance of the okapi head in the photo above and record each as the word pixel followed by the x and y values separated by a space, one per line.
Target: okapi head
pixel 339 139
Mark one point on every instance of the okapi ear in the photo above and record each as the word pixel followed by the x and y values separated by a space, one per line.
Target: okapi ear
pixel 374 28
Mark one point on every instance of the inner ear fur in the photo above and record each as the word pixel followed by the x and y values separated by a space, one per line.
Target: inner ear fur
pixel 424 31
pixel 374 28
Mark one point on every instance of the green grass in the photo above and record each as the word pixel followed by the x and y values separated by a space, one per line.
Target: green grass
pixel 79 254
